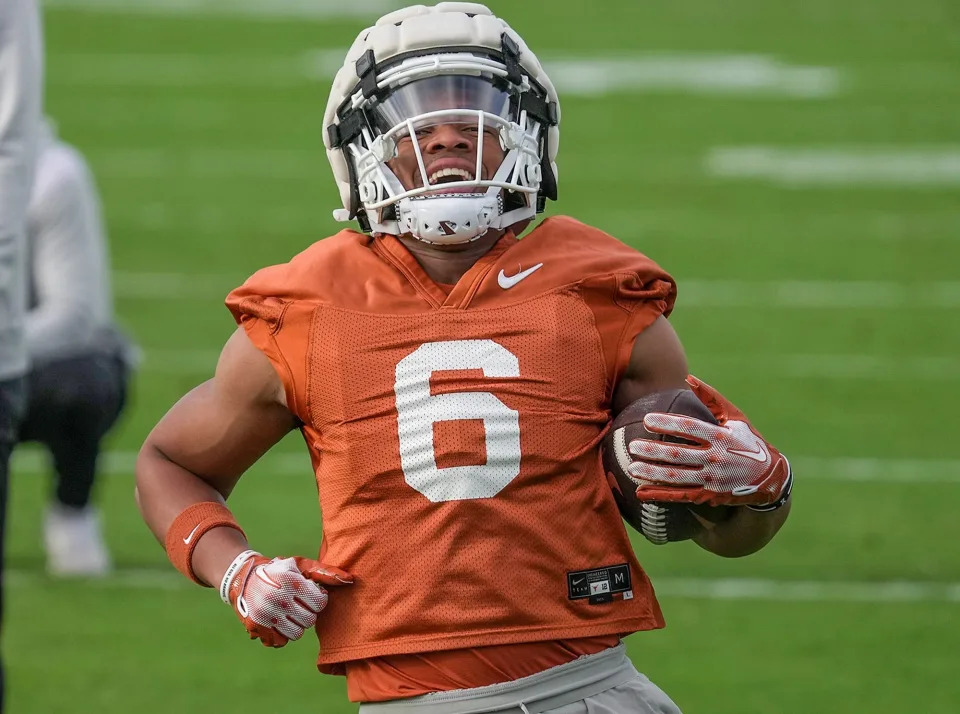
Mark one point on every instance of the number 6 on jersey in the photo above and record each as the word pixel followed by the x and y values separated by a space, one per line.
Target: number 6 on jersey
pixel 418 410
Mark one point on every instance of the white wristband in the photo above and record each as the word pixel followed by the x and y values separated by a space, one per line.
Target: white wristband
pixel 231 571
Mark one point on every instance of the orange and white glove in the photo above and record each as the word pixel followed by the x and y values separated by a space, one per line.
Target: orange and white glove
pixel 727 464
pixel 278 599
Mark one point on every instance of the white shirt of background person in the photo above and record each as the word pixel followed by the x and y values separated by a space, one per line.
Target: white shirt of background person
pixel 21 81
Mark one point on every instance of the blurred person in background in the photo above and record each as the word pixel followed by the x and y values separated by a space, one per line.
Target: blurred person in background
pixel 21 90
pixel 80 361
pixel 453 384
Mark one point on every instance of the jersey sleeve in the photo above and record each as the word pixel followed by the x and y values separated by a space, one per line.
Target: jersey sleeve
pixel 278 325
pixel 625 303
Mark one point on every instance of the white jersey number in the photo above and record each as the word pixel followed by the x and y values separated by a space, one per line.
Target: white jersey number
pixel 418 410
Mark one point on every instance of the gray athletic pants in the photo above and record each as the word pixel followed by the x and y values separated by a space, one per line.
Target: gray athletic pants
pixel 604 683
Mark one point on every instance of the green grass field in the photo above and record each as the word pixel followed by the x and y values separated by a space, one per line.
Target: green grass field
pixel 824 300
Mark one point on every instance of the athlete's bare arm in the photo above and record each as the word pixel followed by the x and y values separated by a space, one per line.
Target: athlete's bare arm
pixel 202 446
pixel 658 362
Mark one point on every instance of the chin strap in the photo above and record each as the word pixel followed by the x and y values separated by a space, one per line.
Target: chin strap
pixel 453 218
pixel 448 219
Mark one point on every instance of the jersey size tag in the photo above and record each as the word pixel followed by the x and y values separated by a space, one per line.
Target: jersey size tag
pixel 601 584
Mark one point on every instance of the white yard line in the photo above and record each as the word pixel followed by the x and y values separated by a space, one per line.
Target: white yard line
pixel 317 9
pixel 163 578
pixel 875 470
pixel 172 71
pixel 806 591
pixel 205 219
pixel 128 579
pixel 208 163
pixel 30 459
pixel 804 294
pixel 857 166
pixel 586 76
pixel 175 362
pixel 838 366
pixel 808 294
pixel 916 224
pixel 709 74
pixel 173 286
pixel 691 74
pixel 917 227
pixel 786 366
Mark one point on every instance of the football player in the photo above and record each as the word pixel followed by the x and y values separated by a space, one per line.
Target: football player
pixel 453 383
pixel 79 360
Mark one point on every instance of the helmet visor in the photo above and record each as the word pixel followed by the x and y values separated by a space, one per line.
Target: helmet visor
pixel 437 94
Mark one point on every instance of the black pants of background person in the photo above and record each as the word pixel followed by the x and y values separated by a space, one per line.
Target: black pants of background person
pixel 12 402
pixel 72 403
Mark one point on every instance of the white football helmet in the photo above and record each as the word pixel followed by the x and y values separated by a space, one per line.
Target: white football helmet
pixel 453 63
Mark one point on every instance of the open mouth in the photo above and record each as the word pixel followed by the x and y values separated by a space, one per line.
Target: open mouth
pixel 452 175
pixel 449 176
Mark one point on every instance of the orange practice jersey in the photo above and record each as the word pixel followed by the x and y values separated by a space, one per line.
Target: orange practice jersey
pixel 455 435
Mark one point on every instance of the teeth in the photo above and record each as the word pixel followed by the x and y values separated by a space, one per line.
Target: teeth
pixel 459 173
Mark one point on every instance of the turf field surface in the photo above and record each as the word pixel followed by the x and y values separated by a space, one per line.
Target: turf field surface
pixel 794 165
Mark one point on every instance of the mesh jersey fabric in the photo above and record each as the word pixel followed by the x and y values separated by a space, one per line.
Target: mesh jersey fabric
pixel 455 437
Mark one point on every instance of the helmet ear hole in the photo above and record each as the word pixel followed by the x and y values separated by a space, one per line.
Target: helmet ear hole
pixel 512 200
pixel 363 221
pixel 548 181
pixel 356 205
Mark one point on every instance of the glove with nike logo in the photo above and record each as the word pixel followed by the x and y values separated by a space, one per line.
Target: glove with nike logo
pixel 278 599
pixel 724 464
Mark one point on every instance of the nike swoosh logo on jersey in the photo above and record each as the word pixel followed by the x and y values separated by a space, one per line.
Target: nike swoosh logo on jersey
pixel 508 281
pixel 760 454
pixel 186 541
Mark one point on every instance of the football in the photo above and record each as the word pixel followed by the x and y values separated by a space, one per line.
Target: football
pixel 659 523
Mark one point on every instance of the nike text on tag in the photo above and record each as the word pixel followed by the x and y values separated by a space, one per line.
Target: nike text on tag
pixel 600 585
pixel 508 281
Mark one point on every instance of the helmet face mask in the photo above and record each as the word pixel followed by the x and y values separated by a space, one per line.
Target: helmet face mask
pixel 471 104
pixel 484 94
